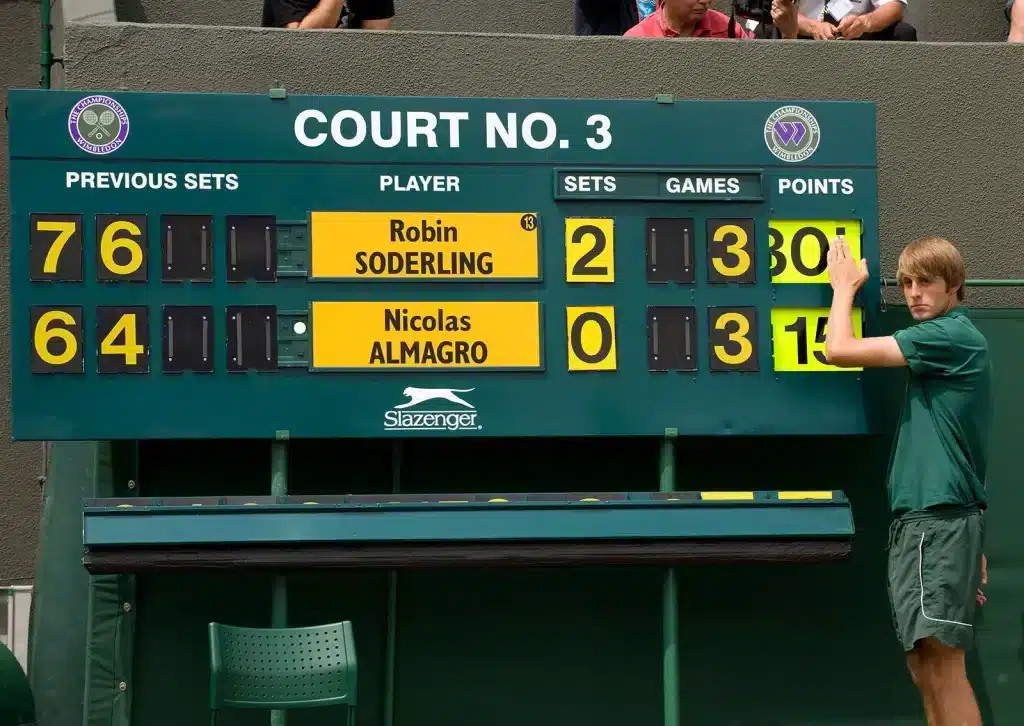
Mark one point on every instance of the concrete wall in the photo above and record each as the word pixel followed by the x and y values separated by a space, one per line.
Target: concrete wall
pixel 935 20
pixel 20 464
pixel 945 165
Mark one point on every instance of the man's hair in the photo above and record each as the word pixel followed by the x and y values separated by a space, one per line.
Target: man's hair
pixel 929 258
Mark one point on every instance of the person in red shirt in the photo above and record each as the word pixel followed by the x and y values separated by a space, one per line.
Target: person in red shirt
pixel 695 19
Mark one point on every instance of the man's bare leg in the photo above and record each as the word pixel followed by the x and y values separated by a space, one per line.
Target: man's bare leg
pixel 922 679
pixel 946 670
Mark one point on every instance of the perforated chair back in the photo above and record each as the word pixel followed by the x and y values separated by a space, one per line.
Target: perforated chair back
pixel 282 668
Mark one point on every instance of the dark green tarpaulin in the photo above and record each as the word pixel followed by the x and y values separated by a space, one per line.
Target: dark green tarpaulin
pixel 16 704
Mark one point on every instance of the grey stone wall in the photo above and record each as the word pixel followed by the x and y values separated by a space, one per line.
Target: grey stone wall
pixel 935 20
pixel 20 464
pixel 945 112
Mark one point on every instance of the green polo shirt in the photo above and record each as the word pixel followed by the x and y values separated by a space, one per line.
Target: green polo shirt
pixel 940 455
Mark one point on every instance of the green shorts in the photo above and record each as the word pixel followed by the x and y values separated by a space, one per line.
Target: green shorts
pixel 934 574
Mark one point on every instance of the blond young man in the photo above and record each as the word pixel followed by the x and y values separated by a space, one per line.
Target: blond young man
pixel 937 467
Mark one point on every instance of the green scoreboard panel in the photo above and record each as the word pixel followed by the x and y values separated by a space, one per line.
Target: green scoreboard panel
pixel 223 265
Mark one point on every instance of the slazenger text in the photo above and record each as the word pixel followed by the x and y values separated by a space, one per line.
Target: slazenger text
pixel 424 420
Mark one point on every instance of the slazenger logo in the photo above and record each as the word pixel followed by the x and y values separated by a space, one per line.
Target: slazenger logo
pixel 441 416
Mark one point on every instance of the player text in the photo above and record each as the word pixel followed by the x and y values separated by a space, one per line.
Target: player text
pixel 415 183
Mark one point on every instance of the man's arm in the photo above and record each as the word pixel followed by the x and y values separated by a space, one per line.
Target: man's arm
pixel 883 16
pixel 324 15
pixel 1016 23
pixel 853 26
pixel 842 347
pixel 785 18
pixel 817 29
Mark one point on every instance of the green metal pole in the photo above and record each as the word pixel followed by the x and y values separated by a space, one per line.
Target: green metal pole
pixel 279 603
pixel 670 604
pixel 45 52
pixel 976 283
pixel 389 656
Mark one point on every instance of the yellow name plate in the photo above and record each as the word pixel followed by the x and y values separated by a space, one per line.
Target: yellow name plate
pixel 426 335
pixel 798 338
pixel 424 246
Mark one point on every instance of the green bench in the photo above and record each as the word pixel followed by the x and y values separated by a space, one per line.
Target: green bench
pixel 281 668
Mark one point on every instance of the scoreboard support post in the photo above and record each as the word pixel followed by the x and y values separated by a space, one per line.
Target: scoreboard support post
pixel 279 588
pixel 670 600
pixel 390 648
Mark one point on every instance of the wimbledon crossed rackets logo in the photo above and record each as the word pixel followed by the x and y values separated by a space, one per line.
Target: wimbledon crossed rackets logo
pixel 98 124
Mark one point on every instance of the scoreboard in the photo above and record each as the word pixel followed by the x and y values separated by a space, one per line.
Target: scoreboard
pixel 240 265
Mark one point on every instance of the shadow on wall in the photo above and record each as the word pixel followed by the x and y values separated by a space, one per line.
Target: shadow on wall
pixel 131 11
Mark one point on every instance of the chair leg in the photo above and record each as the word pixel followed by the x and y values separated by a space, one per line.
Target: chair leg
pixel 351 716
pixel 213 717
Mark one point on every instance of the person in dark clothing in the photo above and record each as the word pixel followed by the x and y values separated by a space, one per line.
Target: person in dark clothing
pixel 605 17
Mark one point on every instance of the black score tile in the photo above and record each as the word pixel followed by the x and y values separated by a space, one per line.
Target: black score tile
pixel 670 255
pixel 251 248
pixel 188 338
pixel 671 338
pixel 55 248
pixel 251 338
pixel 186 245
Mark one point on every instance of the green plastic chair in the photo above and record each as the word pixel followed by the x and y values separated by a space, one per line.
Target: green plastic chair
pixel 282 668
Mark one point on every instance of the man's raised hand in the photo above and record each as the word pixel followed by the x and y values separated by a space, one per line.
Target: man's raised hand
pixel 844 274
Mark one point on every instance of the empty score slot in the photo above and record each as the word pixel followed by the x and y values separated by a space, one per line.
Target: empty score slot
pixel 188 338
pixel 252 248
pixel 251 337
pixel 670 251
pixel 671 338
pixel 187 247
